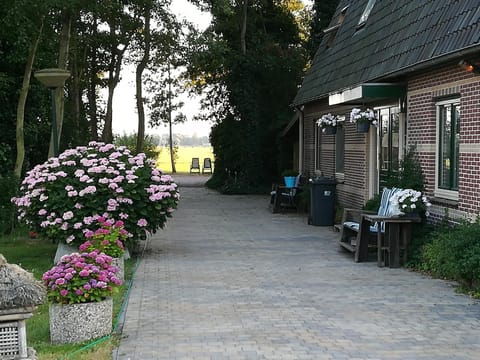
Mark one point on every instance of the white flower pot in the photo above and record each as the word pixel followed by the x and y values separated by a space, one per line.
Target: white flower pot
pixel 74 323
pixel 120 263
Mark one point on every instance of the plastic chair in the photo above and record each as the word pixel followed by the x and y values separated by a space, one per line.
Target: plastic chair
pixel 207 166
pixel 195 165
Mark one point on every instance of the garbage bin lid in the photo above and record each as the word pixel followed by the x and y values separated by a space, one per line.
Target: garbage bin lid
pixel 323 180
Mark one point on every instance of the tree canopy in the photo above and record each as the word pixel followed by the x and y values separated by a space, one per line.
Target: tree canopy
pixel 247 65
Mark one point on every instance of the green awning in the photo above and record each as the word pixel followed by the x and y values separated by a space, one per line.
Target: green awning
pixel 368 92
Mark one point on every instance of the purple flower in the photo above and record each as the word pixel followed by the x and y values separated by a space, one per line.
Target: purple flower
pixel 84 273
pixel 101 285
pixel 64 292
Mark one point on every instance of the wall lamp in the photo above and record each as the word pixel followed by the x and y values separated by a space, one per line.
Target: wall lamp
pixel 470 67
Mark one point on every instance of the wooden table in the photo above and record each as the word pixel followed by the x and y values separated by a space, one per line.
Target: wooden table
pixel 397 235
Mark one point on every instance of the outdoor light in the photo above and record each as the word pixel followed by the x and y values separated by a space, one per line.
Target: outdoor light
pixel 469 67
pixel 53 79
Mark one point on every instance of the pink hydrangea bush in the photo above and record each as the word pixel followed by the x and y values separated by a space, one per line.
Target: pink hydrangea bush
pixel 62 198
pixel 108 238
pixel 79 278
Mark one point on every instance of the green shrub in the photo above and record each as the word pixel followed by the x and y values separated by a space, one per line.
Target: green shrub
pixel 150 147
pixel 374 203
pixel 455 254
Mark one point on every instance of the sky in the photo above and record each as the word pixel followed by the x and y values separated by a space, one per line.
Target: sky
pixel 125 119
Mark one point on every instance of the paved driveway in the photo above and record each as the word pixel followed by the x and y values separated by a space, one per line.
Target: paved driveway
pixel 227 279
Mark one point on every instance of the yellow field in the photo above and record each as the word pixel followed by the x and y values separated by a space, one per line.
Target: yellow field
pixel 185 155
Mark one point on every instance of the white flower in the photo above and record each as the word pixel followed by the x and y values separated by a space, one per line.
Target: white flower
pixel 367 115
pixel 327 120
pixel 409 200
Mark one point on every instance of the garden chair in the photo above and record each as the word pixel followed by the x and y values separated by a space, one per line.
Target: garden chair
pixel 195 166
pixel 357 232
pixel 282 197
pixel 207 166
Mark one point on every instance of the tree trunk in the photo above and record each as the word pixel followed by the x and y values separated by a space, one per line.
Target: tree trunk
pixel 21 104
pixel 138 80
pixel 244 28
pixel 92 87
pixel 172 154
pixel 62 64
pixel 114 68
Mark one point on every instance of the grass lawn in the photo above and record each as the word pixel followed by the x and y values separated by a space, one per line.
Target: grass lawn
pixel 184 160
pixel 36 256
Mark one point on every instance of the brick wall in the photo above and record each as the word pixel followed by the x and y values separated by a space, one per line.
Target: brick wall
pixel 351 191
pixel 424 90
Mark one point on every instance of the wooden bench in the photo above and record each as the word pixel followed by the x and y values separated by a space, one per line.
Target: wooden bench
pixel 390 234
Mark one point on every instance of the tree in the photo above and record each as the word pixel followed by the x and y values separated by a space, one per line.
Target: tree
pixel 22 99
pixel 121 27
pixel 167 85
pixel 323 11
pixel 139 72
pixel 248 64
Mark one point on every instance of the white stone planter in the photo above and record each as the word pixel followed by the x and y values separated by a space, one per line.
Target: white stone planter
pixel 75 323
pixel 120 263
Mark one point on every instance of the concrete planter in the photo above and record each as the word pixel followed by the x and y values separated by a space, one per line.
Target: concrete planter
pixel 120 263
pixel 74 323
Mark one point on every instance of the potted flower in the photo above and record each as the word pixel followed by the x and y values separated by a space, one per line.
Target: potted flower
pixel 289 176
pixel 61 198
pixel 328 123
pixel 363 119
pixel 79 289
pixel 409 201
pixel 108 238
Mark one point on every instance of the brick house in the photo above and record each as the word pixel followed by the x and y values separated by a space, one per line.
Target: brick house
pixel 409 61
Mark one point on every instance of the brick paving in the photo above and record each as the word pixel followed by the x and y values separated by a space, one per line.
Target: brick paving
pixel 227 279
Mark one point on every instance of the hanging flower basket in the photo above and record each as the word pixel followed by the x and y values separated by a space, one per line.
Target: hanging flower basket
pixel 328 123
pixel 363 127
pixel 329 130
pixel 363 119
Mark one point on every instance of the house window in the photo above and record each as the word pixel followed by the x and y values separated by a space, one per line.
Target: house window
pixel 340 151
pixel 389 144
pixel 366 13
pixel 447 157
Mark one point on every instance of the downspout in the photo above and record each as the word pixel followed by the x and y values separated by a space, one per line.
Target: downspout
pixel 300 113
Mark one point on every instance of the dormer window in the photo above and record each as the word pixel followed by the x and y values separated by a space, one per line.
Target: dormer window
pixel 366 13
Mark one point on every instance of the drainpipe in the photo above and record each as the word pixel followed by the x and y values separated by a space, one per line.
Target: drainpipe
pixel 300 113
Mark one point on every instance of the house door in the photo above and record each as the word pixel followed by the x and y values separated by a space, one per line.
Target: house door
pixel 388 143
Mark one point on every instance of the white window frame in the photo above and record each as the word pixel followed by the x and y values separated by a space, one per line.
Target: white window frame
pixel 340 175
pixel 317 146
pixel 442 193
pixel 366 13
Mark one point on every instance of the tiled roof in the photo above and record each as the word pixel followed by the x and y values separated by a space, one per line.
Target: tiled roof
pixel 399 36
